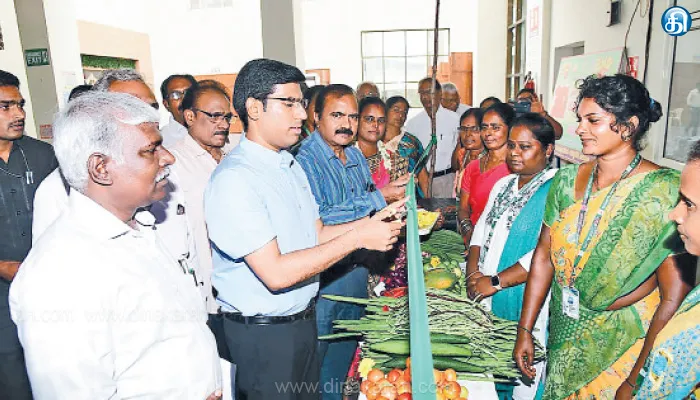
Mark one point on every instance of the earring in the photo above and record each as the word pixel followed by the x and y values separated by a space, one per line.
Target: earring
pixel 626 138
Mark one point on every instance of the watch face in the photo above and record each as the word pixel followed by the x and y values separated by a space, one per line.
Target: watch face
pixel 495 281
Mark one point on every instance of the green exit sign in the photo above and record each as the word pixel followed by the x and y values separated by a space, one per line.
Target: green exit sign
pixel 36 57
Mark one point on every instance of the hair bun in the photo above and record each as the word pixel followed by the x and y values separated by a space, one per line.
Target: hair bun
pixel 655 111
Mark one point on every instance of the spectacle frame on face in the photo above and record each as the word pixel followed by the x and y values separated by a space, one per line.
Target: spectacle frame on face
pixel 217 117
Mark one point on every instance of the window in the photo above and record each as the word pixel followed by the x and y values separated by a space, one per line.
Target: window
pixel 683 123
pixel 515 49
pixel 397 60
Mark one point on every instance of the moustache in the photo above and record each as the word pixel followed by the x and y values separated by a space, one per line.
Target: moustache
pixel 343 131
pixel 163 174
pixel 222 133
pixel 19 123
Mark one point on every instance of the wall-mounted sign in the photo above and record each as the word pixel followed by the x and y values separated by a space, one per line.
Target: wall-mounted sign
pixel 46 132
pixel 36 57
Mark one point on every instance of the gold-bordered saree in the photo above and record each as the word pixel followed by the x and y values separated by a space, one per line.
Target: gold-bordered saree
pixel 589 358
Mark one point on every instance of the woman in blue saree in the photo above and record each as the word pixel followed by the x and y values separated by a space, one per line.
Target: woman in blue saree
pixel 506 234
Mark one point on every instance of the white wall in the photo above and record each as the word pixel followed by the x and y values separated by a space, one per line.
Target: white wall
pixel 12 58
pixel 332 29
pixel 490 55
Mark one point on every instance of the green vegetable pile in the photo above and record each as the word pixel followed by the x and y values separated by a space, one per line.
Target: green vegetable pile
pixel 464 336
pixel 442 254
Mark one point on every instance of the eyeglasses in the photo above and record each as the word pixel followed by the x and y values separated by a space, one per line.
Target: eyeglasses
pixel 371 119
pixel 291 101
pixel 493 127
pixel 467 129
pixel 218 117
pixel 177 95
pixel 399 110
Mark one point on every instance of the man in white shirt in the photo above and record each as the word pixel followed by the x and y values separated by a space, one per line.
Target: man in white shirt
pixel 207 111
pixel 102 310
pixel 446 130
pixel 173 90
pixel 451 99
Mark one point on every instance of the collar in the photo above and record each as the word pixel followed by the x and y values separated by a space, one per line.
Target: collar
pixel 281 159
pixel 328 153
pixel 94 218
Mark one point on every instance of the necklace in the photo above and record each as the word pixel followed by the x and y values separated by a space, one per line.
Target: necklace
pixel 599 214
pixel 28 174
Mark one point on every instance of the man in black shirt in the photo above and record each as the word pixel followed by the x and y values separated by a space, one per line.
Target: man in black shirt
pixel 24 163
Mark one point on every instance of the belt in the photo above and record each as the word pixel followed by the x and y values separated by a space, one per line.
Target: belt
pixel 444 172
pixel 307 314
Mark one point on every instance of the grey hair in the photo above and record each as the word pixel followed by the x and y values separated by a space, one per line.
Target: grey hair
pixel 366 83
pixel 694 153
pixel 449 87
pixel 96 123
pixel 114 75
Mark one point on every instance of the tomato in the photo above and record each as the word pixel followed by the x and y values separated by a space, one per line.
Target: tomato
pixel 438 376
pixel 450 375
pixel 364 386
pixel 384 383
pixel 407 374
pixel 373 392
pixel 408 361
pixel 452 390
pixel 404 396
pixel 375 375
pixel 389 392
pixel 381 398
pixel 403 387
pixel 394 375
pixel 464 392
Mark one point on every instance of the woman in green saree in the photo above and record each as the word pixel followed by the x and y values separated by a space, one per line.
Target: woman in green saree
pixel 604 251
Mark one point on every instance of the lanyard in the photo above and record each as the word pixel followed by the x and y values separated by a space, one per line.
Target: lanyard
pixel 599 214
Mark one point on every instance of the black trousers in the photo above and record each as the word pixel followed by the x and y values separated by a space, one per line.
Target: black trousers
pixel 14 382
pixel 274 361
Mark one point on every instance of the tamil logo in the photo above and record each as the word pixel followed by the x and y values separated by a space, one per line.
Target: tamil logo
pixel 676 21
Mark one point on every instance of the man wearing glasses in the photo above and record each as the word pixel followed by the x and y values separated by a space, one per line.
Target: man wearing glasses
pixel 446 123
pixel 173 91
pixel 269 244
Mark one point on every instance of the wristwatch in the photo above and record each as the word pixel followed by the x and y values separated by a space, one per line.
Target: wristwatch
pixel 496 282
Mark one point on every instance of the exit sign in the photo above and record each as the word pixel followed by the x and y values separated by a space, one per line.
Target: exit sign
pixel 36 57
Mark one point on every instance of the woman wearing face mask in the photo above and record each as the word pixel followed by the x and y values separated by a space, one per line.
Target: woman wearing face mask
pixel 480 175
pixel 604 252
pixel 470 146
pixel 672 370
pixel 506 234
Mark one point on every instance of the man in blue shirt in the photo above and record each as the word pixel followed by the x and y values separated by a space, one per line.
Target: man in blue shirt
pixel 268 242
pixel 342 185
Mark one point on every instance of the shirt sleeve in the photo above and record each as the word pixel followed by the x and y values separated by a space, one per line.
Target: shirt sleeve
pixel 237 219
pixel 348 210
pixel 466 183
pixel 551 210
pixel 48 206
pixel 526 260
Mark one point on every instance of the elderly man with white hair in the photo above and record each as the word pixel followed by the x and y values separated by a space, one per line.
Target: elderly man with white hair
pixel 451 99
pixel 102 310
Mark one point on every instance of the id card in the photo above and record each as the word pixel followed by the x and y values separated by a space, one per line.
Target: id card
pixel 569 302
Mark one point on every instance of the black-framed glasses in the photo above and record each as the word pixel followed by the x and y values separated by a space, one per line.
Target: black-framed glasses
pixel 467 129
pixel 217 116
pixel 493 127
pixel 177 94
pixel 291 101
pixel 370 119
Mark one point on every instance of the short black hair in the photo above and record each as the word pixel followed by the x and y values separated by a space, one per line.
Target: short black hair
pixel 257 80
pixel 496 100
pixel 526 90
pixel 312 92
pixel 8 79
pixel 624 97
pixel 438 86
pixel 396 99
pixel 166 82
pixel 694 154
pixel 196 90
pixel 539 126
pixel 473 112
pixel 336 90
pixel 504 111
pixel 369 101
pixel 78 91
